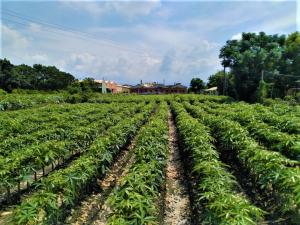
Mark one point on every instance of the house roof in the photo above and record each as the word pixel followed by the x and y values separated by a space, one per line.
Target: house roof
pixel 158 86
pixel 212 89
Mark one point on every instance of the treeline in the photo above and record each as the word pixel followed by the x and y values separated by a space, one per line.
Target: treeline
pixel 13 78
pixel 259 66
pixel 37 77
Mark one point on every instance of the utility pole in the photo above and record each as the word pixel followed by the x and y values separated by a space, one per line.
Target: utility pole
pixel 225 81
pixel 103 87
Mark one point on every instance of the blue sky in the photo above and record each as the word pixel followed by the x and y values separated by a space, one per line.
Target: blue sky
pixel 132 41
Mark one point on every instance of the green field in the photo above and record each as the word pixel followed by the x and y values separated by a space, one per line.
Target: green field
pixel 105 159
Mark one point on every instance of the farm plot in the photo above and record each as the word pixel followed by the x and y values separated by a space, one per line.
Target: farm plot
pixel 175 159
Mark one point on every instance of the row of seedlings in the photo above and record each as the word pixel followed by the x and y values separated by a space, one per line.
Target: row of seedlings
pixel 60 127
pixel 136 199
pixel 60 190
pixel 22 166
pixel 270 171
pixel 21 101
pixel 284 123
pixel 216 194
pixel 287 144
pixel 14 123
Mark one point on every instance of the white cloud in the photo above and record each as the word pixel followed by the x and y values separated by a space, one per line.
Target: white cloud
pixel 40 58
pixel 13 39
pixel 175 51
pixel 237 36
pixel 128 9
pixel 34 27
pixel 83 58
pixel 278 25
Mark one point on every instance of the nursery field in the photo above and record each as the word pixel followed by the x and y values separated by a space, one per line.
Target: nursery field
pixel 157 159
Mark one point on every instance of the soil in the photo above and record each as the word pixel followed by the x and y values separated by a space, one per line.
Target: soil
pixel 95 209
pixel 177 202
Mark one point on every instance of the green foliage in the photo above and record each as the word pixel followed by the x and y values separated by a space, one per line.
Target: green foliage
pixel 216 187
pixel 38 77
pixel 264 139
pixel 2 92
pixel 259 53
pixel 59 141
pixel 262 91
pixel 246 115
pixel 218 80
pixel 135 200
pixel 65 185
pixel 271 171
pixel 197 85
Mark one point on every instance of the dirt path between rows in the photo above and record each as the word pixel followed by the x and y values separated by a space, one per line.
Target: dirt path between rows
pixel 95 210
pixel 177 203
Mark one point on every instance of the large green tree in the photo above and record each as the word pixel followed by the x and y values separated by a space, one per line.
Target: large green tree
pixel 250 58
pixel 6 81
pixel 289 67
pixel 225 84
pixel 37 77
pixel 291 56
pixel 197 85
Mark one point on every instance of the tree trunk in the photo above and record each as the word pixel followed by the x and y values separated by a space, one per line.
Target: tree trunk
pixel 8 194
pixel 19 189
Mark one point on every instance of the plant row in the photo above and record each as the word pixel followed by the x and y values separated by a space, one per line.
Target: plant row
pixel 288 145
pixel 29 121
pixel 216 194
pixel 135 199
pixel 286 123
pixel 62 128
pixel 20 165
pixel 281 107
pixel 270 171
pixel 20 101
pixel 61 189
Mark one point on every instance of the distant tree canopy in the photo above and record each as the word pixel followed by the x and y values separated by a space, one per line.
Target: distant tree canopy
pixel 196 85
pixel 218 80
pixel 86 85
pixel 257 57
pixel 38 77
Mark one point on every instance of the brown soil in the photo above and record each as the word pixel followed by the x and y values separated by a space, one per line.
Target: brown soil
pixel 177 203
pixel 95 209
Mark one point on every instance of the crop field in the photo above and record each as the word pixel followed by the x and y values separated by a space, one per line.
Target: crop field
pixel 155 159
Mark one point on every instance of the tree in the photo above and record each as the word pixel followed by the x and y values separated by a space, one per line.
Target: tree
pixel 262 91
pixel 249 58
pixel 218 80
pixel 291 56
pixel 196 85
pixel 89 84
pixel 37 77
pixel 6 75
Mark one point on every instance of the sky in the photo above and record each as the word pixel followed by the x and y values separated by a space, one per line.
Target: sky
pixel 126 41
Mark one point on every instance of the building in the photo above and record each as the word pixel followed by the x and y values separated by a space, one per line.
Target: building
pixel 155 88
pixel 211 91
pixel 123 88
pixel 108 86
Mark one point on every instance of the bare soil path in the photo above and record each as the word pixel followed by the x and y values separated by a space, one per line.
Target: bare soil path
pixel 94 209
pixel 177 202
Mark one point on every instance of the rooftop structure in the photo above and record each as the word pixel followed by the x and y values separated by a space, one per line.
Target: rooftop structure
pixel 156 88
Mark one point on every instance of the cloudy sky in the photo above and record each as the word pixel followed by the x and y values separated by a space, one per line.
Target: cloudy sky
pixel 171 41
